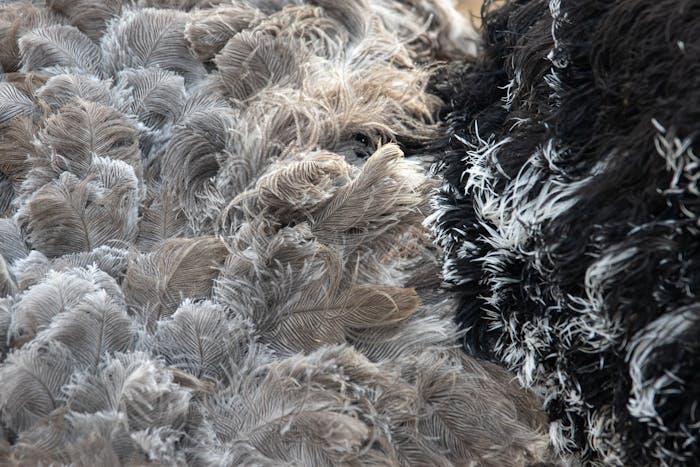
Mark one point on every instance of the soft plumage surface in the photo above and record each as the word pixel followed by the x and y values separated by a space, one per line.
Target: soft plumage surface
pixel 212 249
pixel 569 217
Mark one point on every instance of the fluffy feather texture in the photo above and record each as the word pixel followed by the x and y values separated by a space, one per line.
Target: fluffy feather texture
pixel 213 251
pixel 569 217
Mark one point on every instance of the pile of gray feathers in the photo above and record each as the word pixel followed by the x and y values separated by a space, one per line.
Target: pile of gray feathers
pixel 212 248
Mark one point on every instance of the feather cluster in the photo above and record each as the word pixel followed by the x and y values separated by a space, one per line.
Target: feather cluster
pixel 569 217
pixel 212 249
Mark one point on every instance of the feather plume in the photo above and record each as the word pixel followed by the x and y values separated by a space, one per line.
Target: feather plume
pixel 108 259
pixel 14 103
pixel 59 46
pixel 203 340
pixel 310 304
pixel 83 130
pixel 162 217
pixel 8 284
pixel 69 215
pixel 372 210
pixel 16 149
pixel 57 293
pixel 68 88
pixel 31 381
pixel 156 96
pixel 250 62
pixel 15 20
pixel 14 244
pixel 209 30
pixel 133 384
pixel 157 282
pixel 90 16
pixel 95 327
pixel 297 414
pixel 79 439
pixel 150 38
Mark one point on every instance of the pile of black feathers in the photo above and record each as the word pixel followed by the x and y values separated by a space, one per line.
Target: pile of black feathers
pixel 212 250
pixel 569 216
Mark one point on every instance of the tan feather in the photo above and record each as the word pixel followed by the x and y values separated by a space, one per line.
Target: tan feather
pixel 150 38
pixel 208 30
pixel 63 89
pixel 59 46
pixel 156 283
pixel 90 16
pixel 15 20
pixel 310 304
pixel 69 215
pixel 16 149
pixel 251 62
pixel 82 130
pixel 162 217
pixel 386 198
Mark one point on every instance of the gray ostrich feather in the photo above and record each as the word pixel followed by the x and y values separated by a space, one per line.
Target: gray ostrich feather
pixel 212 248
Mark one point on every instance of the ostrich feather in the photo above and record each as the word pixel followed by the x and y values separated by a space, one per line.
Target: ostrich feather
pixel 250 62
pixel 15 149
pixel 101 438
pixel 93 328
pixel 191 157
pixel 203 340
pixel 296 415
pixel 311 304
pixel 16 19
pixel 8 284
pixel 59 46
pixel 90 16
pixel 13 103
pixel 14 245
pixel 70 215
pixel 111 260
pixel 157 282
pixel 82 130
pixel 61 90
pixel 383 198
pixel 135 385
pixel 150 38
pixel 156 95
pixel 162 217
pixel 59 292
pixel 31 383
pixel 208 30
